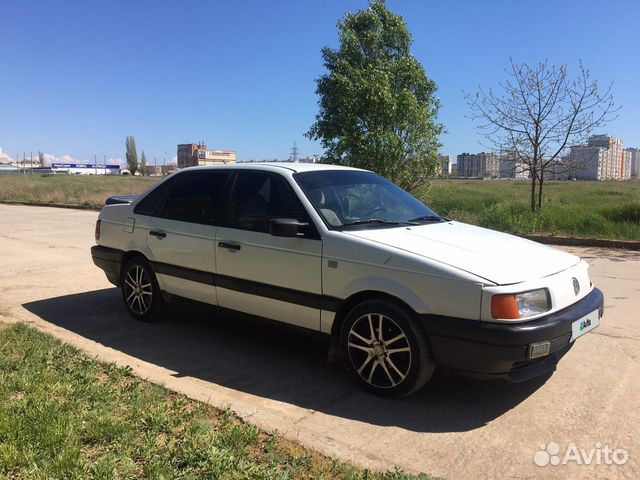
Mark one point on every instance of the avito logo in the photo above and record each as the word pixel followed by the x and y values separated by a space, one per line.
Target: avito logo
pixel 584 324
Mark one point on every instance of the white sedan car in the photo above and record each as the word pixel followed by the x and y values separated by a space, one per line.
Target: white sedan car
pixel 398 289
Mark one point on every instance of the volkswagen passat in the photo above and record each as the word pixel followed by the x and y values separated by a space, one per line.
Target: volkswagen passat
pixel 398 289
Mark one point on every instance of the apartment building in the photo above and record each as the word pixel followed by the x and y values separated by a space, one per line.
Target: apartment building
pixel 473 165
pixel 633 156
pixel 513 168
pixel 445 165
pixel 601 159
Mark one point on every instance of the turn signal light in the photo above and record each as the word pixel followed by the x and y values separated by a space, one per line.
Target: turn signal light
pixel 98 229
pixel 504 307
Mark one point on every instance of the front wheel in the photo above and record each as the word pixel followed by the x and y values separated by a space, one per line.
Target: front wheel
pixel 140 290
pixel 385 350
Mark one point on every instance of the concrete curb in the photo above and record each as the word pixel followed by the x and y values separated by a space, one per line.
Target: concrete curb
pixel 546 239
pixel 55 205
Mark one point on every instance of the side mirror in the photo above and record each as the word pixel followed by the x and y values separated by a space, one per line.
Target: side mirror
pixel 286 227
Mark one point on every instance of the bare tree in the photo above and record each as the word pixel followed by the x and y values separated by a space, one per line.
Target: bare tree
pixel 539 115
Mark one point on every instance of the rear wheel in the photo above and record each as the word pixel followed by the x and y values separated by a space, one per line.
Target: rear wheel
pixel 385 350
pixel 140 290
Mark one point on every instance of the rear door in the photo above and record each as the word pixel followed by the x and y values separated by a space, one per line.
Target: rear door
pixel 260 274
pixel 182 235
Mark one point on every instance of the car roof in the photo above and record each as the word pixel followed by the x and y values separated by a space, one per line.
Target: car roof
pixel 272 166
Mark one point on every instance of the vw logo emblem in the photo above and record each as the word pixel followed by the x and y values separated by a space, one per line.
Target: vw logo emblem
pixel 576 286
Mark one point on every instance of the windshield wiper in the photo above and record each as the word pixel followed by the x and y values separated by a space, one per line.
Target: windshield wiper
pixel 369 221
pixel 429 218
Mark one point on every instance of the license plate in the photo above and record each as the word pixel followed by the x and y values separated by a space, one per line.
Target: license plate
pixel 585 324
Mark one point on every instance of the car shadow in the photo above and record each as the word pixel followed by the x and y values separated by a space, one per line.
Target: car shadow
pixel 275 363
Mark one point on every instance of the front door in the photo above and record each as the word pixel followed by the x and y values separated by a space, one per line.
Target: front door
pixel 260 274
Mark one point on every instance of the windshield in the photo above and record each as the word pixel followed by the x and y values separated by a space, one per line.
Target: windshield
pixel 351 198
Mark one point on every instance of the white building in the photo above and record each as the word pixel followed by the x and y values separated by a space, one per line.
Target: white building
pixel 601 159
pixel 445 165
pixel 85 168
pixel 633 154
pixel 513 168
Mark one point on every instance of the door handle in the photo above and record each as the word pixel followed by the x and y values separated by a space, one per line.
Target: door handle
pixel 157 234
pixel 230 246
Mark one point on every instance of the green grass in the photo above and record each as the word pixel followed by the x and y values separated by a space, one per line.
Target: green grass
pixel 87 191
pixel 581 209
pixel 65 415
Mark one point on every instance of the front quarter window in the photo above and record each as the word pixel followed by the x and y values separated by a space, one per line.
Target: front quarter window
pixel 359 199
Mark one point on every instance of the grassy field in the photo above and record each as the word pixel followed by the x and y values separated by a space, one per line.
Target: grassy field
pixel 65 415
pixel 580 209
pixel 88 191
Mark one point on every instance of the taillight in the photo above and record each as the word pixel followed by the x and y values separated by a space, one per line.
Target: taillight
pixel 98 229
pixel 504 307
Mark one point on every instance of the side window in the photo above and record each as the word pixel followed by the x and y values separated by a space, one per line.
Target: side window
pixel 194 197
pixel 257 198
pixel 149 204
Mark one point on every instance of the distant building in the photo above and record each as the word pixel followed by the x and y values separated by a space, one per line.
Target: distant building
pixel 633 154
pixel 311 159
pixel 475 165
pixel 465 166
pixel 601 159
pixel 445 165
pixel 194 154
pixel 85 169
pixel 152 170
pixel 511 167
pixel 559 170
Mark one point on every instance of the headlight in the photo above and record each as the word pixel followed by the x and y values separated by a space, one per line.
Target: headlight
pixel 520 305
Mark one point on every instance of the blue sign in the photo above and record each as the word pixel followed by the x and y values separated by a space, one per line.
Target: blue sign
pixel 85 165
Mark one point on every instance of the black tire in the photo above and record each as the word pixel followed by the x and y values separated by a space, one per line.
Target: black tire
pixel 395 364
pixel 140 291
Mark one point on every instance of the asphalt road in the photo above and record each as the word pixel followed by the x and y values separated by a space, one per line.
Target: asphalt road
pixel 455 428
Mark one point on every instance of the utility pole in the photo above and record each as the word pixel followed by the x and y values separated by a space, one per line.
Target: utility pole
pixel 105 164
pixel 31 154
pixel 95 163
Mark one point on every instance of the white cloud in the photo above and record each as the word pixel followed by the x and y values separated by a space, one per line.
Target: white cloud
pixel 50 158
pixel 117 161
pixel 4 158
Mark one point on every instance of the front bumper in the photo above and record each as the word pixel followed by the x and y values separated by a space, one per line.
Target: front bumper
pixel 501 350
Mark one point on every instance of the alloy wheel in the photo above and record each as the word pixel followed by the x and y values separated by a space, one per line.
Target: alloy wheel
pixel 379 350
pixel 138 290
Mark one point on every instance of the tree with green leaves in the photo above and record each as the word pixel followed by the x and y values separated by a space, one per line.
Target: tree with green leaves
pixel 377 106
pixel 143 163
pixel 132 154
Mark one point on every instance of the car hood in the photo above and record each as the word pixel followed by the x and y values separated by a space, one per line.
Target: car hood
pixel 498 257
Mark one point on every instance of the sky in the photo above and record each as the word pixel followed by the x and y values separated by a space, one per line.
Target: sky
pixel 77 77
